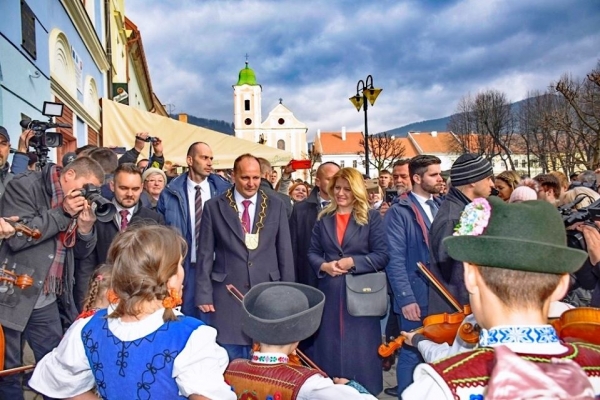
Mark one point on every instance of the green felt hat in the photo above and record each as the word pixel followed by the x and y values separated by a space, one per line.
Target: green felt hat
pixel 528 236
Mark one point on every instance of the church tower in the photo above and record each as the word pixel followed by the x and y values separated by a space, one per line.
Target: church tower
pixel 247 116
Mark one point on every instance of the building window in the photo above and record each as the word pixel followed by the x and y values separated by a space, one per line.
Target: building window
pixel 247 121
pixel 246 105
pixel 354 164
pixel 523 163
pixel 281 121
pixel 28 30
pixel 281 144
pixel 342 164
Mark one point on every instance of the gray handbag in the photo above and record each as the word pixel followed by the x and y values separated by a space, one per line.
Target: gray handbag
pixel 366 294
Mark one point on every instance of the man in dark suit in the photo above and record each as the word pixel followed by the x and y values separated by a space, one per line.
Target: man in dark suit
pixel 303 220
pixel 245 241
pixel 127 188
pixel 265 184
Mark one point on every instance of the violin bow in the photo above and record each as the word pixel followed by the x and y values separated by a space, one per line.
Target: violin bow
pixel 6 372
pixel 240 296
pixel 439 286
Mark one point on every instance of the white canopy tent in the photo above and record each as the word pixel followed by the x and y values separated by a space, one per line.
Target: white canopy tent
pixel 121 122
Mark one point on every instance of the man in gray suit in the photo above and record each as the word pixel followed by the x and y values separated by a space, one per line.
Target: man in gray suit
pixel 245 241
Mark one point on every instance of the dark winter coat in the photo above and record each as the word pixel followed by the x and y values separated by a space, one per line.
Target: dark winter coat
pixel 302 222
pixel 345 345
pixel 28 196
pixel 447 270
pixel 407 229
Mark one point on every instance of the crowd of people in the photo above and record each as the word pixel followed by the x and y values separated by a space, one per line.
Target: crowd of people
pixel 153 282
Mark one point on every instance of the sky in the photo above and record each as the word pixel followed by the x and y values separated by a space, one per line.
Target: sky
pixel 425 54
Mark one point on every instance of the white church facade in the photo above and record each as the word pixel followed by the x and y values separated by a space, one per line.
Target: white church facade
pixel 281 129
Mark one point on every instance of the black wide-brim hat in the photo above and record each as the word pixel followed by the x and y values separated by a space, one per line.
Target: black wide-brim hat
pixel 280 313
pixel 528 236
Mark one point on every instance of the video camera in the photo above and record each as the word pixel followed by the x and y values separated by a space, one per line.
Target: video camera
pixel 571 216
pixel 43 140
pixel 101 207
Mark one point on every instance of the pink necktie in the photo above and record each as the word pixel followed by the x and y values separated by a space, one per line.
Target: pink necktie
pixel 246 216
pixel 124 222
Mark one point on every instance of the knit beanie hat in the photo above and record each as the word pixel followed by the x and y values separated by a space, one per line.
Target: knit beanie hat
pixel 469 168
pixel 522 193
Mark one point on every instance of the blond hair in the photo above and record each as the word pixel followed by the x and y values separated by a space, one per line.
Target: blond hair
pixel 360 206
pixel 588 195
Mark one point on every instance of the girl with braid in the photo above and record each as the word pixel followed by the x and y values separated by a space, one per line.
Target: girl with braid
pixel 140 347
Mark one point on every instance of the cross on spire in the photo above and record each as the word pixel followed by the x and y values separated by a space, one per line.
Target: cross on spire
pixel 247 58
pixel 280 100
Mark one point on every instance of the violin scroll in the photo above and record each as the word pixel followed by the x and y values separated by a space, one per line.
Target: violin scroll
pixel 24 229
pixel 388 349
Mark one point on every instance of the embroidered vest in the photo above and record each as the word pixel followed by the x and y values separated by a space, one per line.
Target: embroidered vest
pixel 138 369
pixel 252 381
pixel 468 373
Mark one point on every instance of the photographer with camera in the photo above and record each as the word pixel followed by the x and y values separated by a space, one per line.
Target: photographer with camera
pixel 126 210
pixel 131 156
pixel 50 200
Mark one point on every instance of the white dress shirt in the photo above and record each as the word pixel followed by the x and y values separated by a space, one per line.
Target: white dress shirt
pixel 422 202
pixel 118 213
pixel 251 209
pixel 191 192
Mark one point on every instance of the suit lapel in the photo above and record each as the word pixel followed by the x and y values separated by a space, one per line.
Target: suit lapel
pixel 257 209
pixel 230 217
pixel 330 227
pixel 351 230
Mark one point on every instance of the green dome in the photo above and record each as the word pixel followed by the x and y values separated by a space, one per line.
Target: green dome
pixel 247 77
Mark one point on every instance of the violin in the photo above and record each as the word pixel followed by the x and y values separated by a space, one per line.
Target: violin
pixel 439 328
pixel 9 279
pixel 24 229
pixel 579 324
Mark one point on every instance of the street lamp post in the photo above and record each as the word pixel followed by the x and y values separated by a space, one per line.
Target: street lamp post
pixel 365 94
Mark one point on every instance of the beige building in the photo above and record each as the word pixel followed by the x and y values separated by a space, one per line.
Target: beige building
pixel 281 129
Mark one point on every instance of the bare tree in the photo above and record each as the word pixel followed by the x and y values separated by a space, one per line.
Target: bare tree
pixel 484 124
pixel 582 125
pixel 384 150
pixel 314 155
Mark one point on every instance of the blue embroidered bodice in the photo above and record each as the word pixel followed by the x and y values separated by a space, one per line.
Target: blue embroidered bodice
pixel 518 334
pixel 137 369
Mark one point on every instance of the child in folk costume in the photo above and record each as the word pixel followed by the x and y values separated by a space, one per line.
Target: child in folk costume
pixel 141 347
pixel 516 262
pixel 98 292
pixel 278 316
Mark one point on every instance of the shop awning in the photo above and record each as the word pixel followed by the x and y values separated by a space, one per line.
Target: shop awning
pixel 121 122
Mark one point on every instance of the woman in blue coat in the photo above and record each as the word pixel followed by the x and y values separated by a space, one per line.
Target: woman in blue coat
pixel 348 238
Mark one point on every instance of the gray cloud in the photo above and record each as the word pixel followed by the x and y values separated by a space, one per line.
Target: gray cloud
pixel 426 55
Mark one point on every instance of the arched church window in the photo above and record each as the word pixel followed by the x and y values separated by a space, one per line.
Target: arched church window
pixel 281 144
pixel 246 105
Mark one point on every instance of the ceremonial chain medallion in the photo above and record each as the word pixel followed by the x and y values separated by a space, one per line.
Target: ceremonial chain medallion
pixel 251 239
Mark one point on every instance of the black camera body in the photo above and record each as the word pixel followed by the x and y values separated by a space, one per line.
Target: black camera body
pixel 43 140
pixel 149 139
pixel 586 215
pixel 101 207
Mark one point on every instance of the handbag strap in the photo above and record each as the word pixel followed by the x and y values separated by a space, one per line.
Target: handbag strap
pixel 370 262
